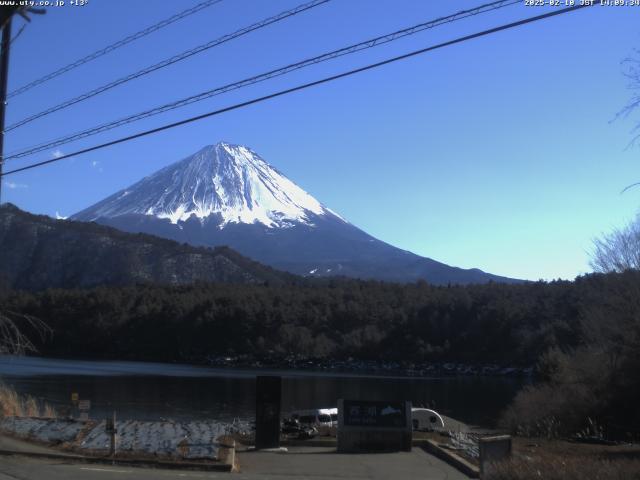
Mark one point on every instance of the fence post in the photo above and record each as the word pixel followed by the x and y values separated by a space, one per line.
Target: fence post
pixel 110 428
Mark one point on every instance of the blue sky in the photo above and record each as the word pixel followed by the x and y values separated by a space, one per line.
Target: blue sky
pixel 499 153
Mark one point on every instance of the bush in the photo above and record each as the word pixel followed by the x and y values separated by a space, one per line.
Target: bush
pixel 597 381
pixel 571 393
pixel 558 467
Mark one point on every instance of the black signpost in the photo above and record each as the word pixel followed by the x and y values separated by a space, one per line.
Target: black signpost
pixel 268 396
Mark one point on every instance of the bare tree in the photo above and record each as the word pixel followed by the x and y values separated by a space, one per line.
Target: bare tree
pixel 632 73
pixel 619 250
pixel 13 340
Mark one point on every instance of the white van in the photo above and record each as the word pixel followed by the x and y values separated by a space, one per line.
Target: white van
pixel 424 419
pixel 324 419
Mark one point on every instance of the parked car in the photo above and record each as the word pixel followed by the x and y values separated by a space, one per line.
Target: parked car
pixel 293 428
pixel 325 420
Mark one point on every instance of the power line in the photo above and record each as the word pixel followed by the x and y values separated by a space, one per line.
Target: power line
pixel 114 46
pixel 15 37
pixel 170 61
pixel 264 76
pixel 303 86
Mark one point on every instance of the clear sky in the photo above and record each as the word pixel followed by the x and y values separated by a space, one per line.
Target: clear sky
pixel 499 153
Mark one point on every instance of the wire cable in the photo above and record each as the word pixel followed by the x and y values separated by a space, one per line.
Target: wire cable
pixel 15 37
pixel 264 76
pixel 170 61
pixel 303 86
pixel 114 46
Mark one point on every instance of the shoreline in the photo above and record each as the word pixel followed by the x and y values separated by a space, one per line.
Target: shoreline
pixel 245 368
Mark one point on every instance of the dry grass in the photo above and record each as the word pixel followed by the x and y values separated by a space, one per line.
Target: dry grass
pixel 10 402
pixel 49 411
pixel 555 467
pixel 13 404
pixel 555 459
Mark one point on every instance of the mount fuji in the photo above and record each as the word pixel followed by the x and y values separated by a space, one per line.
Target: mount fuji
pixel 226 194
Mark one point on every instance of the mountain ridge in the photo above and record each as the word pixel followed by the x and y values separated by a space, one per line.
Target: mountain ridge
pixel 41 252
pixel 226 194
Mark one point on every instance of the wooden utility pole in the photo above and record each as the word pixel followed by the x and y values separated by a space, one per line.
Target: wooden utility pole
pixel 4 76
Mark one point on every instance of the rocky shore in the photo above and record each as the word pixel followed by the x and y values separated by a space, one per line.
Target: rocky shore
pixel 373 367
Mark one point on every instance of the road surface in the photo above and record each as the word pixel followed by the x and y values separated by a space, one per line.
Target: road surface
pixel 299 463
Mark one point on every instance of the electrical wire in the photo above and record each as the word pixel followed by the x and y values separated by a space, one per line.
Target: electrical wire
pixel 110 48
pixel 304 86
pixel 170 61
pixel 15 37
pixel 380 40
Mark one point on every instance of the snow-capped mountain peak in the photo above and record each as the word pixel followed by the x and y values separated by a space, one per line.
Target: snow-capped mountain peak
pixel 244 203
pixel 224 179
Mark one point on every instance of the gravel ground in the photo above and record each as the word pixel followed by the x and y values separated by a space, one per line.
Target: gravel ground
pixel 191 440
pixel 46 430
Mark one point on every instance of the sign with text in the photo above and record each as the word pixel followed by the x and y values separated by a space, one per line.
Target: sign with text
pixel 84 405
pixel 363 413
pixel 371 426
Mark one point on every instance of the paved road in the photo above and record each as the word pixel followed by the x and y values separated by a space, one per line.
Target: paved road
pixel 325 464
pixel 23 468
pixel 15 445
pixel 299 463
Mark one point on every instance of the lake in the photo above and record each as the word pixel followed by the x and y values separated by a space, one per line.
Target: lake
pixel 150 391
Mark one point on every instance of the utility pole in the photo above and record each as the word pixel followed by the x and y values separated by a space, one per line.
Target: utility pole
pixel 4 75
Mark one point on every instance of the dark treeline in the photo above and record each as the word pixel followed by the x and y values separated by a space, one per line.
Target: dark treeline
pixel 335 319
pixel 582 336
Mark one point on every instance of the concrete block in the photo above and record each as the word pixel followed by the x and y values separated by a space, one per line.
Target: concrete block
pixel 493 450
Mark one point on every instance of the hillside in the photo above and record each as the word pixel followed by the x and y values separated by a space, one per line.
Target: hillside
pixel 39 252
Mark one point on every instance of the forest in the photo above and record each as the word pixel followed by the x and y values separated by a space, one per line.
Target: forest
pixel 333 318
pixel 582 337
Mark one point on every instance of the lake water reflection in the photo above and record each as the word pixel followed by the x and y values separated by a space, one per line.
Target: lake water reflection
pixel 153 390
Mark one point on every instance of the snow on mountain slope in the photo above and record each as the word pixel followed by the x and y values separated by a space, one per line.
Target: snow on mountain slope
pixel 227 180
pixel 227 195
